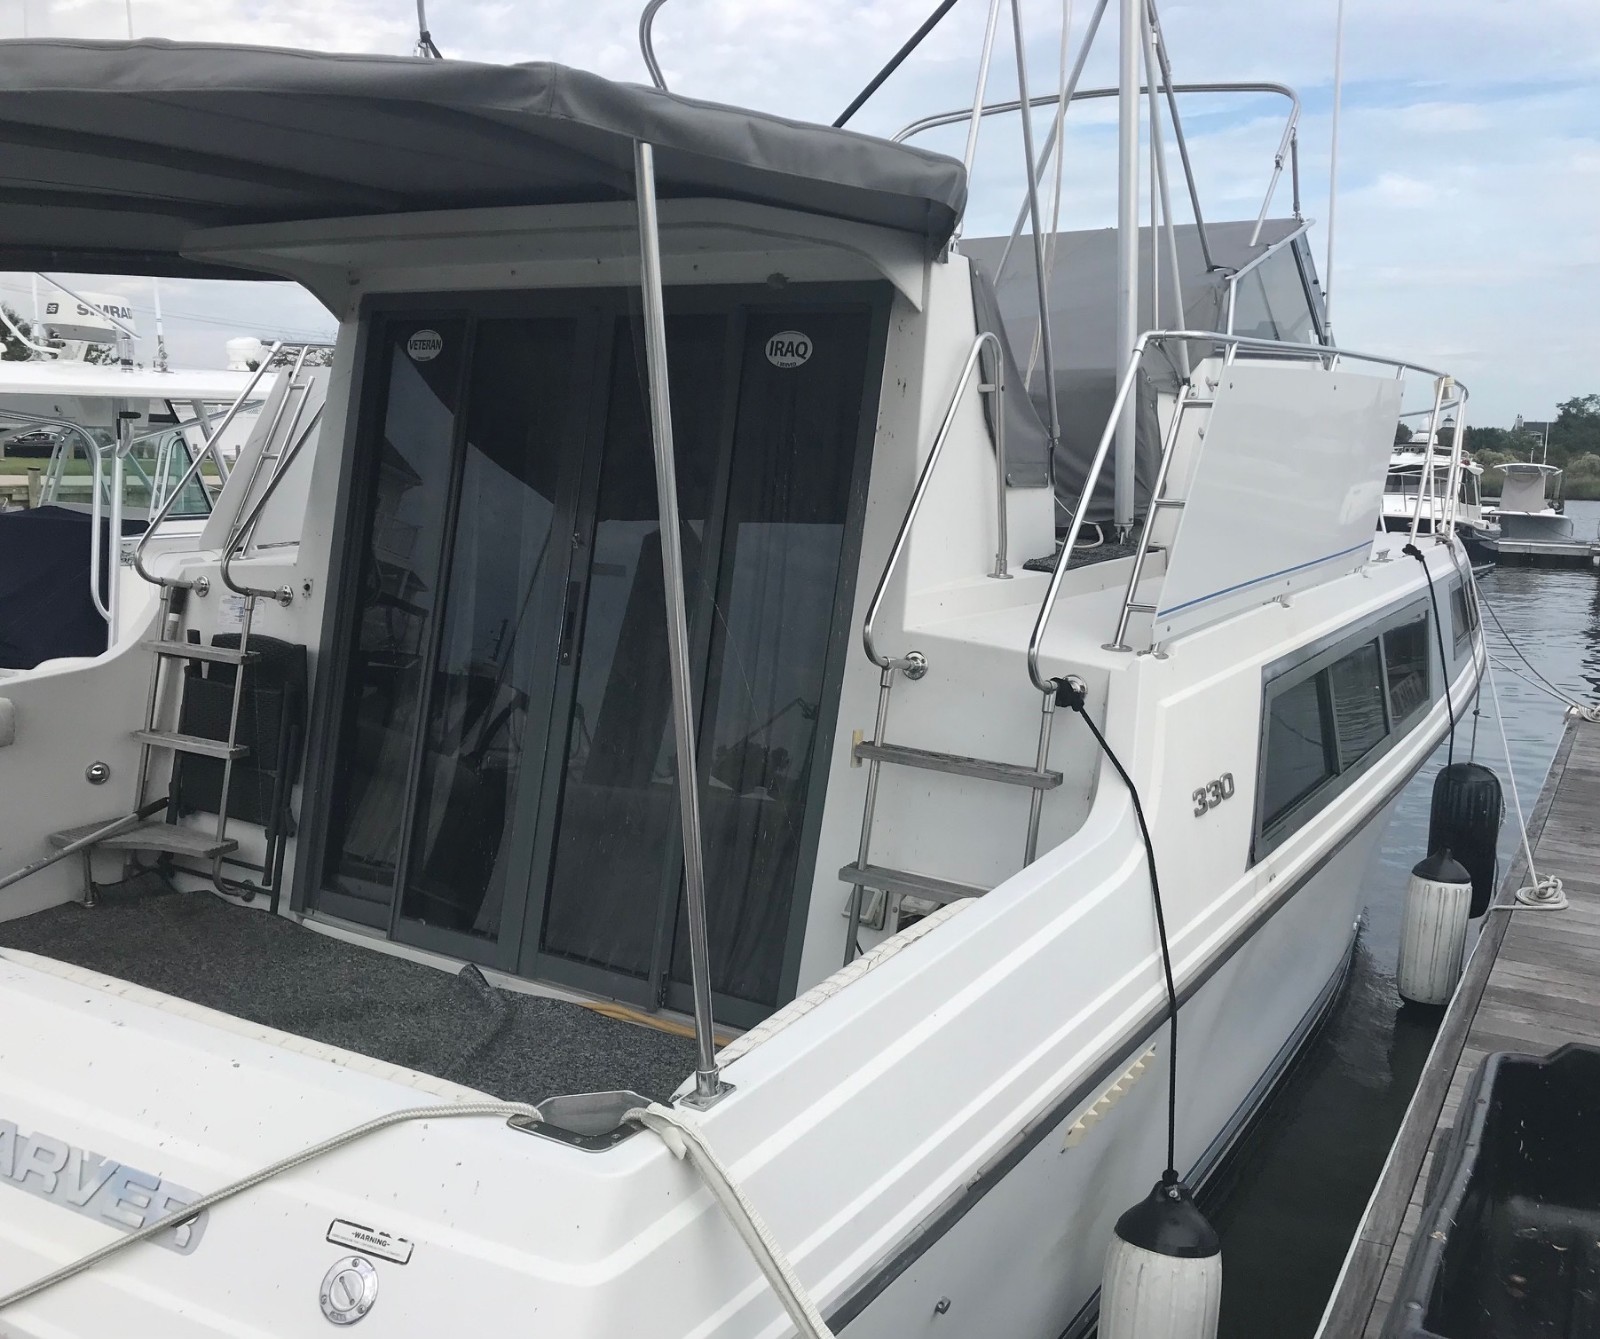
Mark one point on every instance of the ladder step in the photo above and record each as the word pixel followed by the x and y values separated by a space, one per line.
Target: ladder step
pixel 179 743
pixel 156 835
pixel 1170 502
pixel 222 655
pixel 909 882
pixel 1142 608
pixel 1009 774
pixel 1198 403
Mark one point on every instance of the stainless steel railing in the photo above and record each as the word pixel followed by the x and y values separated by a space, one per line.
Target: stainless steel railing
pixel 1228 346
pixel 995 389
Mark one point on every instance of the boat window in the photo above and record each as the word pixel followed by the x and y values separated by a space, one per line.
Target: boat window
pixel 1299 758
pixel 1405 654
pixel 1328 716
pixel 1359 720
pixel 1463 614
pixel 1272 302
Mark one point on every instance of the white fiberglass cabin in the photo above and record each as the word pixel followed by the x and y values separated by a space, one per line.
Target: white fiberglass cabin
pixel 513 719
pixel 1405 488
pixel 119 455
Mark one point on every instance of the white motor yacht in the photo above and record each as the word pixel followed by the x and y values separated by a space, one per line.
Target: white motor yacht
pixel 1404 488
pixel 676 832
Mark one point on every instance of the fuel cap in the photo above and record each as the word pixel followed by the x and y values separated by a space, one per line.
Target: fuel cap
pixel 349 1289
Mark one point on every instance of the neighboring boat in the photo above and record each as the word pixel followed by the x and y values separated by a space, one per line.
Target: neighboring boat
pixel 1405 483
pixel 60 593
pixel 1533 527
pixel 445 685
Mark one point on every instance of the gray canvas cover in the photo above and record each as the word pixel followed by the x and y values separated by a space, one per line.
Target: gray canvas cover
pixel 116 150
pixel 1083 315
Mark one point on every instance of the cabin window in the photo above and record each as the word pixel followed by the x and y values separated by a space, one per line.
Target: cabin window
pixel 1463 614
pixel 1328 716
pixel 1299 758
pixel 1359 720
pixel 1405 654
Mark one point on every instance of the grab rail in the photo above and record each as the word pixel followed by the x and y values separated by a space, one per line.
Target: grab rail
pixel 240 540
pixel 1231 345
pixel 212 449
pixel 996 388
pixel 1288 144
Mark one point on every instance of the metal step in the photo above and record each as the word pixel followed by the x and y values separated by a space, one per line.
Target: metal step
pixel 179 743
pixel 1170 502
pixel 1141 608
pixel 1197 403
pixel 156 835
pixel 221 655
pixel 910 883
pixel 1008 774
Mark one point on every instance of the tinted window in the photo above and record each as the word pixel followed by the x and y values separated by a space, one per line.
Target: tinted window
pixel 1463 614
pixel 1298 755
pixel 1272 302
pixel 1356 683
pixel 1405 652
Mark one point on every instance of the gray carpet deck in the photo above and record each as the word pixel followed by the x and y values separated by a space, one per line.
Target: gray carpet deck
pixel 271 971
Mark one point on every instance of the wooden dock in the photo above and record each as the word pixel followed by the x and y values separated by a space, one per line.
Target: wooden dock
pixel 1532 984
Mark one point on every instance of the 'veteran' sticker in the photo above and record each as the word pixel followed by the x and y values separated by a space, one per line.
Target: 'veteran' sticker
pixel 789 348
pixel 424 345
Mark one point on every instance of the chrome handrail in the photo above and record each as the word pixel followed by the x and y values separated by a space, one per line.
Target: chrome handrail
pixel 647 44
pixel 1232 344
pixel 241 537
pixel 1289 143
pixel 996 388
pixel 212 449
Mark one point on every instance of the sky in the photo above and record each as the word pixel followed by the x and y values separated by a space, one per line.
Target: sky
pixel 1469 163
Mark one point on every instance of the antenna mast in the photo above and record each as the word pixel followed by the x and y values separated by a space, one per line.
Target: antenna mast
pixel 1333 166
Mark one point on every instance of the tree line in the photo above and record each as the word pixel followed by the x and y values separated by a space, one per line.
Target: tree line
pixel 1574 446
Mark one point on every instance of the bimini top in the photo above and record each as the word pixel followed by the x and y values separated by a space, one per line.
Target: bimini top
pixel 114 151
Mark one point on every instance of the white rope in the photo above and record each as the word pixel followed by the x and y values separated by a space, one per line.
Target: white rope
pixel 1542 894
pixel 686 1141
pixel 185 1212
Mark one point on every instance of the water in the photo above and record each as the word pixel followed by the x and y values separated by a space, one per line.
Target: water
pixel 1298 1192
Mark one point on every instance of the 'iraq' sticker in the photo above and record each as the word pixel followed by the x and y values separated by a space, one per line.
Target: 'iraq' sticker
pixel 789 348
pixel 427 344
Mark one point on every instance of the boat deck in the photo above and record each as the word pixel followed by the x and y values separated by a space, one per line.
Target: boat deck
pixel 1532 984
pixel 271 971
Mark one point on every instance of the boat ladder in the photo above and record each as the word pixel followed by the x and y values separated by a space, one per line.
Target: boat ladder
pixel 292 415
pixel 892 887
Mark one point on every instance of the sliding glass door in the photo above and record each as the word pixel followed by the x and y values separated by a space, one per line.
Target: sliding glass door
pixel 503 786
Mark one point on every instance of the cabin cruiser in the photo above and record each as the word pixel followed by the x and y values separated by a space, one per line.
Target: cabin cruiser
pixel 1404 487
pixel 123 445
pixel 644 636
pixel 1530 503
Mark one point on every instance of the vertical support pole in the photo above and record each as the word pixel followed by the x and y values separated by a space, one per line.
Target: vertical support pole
pixel 1452 496
pixel 1158 155
pixel 119 453
pixel 1127 249
pixel 1441 386
pixel 996 391
pixel 868 810
pixel 1182 143
pixel 708 1084
pixel 1333 167
pixel 1041 761
pixel 984 58
pixel 1046 345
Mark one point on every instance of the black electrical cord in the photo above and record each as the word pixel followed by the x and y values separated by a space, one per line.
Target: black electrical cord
pixel 1070 693
pixel 1412 551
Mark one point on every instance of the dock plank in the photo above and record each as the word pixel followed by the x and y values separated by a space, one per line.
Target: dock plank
pixel 1532 984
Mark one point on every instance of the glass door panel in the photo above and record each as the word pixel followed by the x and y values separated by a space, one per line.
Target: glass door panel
pixel 616 843
pixel 407 511
pixel 782 544
pixel 493 669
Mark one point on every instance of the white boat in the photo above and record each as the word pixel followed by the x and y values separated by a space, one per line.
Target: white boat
pixel 1405 486
pixel 117 447
pixel 822 774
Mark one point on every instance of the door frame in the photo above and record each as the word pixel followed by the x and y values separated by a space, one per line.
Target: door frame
pixel 517 947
